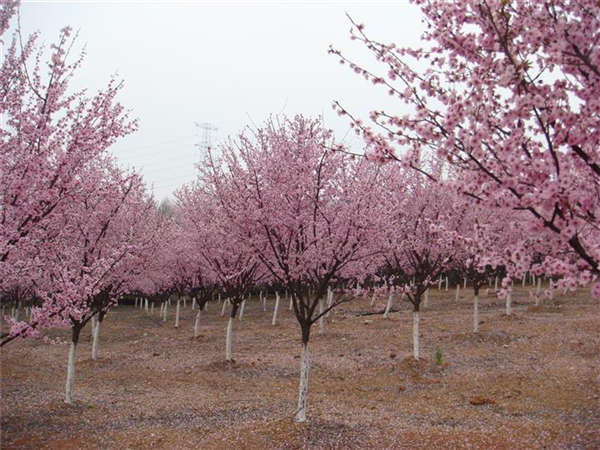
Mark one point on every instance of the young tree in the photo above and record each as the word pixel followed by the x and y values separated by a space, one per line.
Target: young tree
pixel 510 97
pixel 423 224
pixel 226 257
pixel 308 213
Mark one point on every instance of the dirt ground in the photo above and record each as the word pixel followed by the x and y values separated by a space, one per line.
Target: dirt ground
pixel 529 380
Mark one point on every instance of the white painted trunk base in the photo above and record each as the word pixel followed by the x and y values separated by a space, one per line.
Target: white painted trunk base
pixel 224 307
pixel 274 321
pixel 165 312
pixel 446 283
pixel 475 314
pixel 388 306
pixel 197 324
pixel 416 334
pixel 242 310
pixel 70 374
pixel 426 299
pixel 508 304
pixel 228 339
pixel 303 388
pixel 95 341
pixel 177 315
pixel 457 291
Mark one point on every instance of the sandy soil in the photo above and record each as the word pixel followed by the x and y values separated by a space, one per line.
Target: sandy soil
pixel 531 380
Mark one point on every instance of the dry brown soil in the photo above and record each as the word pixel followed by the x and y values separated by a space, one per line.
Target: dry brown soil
pixel 531 380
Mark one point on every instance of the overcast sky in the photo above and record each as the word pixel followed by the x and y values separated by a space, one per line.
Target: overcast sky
pixel 231 64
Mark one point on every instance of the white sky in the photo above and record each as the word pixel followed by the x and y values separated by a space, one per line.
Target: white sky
pixel 228 63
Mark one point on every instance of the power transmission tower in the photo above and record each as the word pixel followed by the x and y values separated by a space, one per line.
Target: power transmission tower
pixel 207 136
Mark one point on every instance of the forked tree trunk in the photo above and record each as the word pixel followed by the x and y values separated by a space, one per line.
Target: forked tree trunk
pixel 303 388
pixel 416 335
pixel 274 321
pixel 476 314
pixel 388 306
pixel 75 329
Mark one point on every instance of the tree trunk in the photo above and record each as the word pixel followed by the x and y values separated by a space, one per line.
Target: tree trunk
pixel 496 284
pixel 373 299
pixel 457 291
pixel 228 339
pixel 71 364
pixel 165 312
pixel 152 308
pixel 475 314
pixel 426 299
pixel 197 323
pixel 508 304
pixel 440 284
pixel 464 283
pixel 146 305
pixel 224 306
pixel 538 291
pixel 274 321
pixel 303 389
pixel 291 303
pixel 416 335
pixel 321 319
pixel 446 283
pixel 177 315
pixel 242 310
pixel 96 339
pixel 388 306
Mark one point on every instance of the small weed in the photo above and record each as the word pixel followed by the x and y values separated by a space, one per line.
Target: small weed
pixel 438 356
